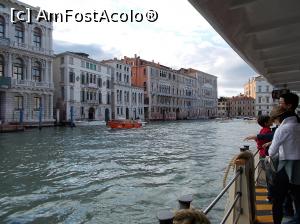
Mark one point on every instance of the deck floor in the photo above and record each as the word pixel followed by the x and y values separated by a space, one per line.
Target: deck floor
pixel 263 207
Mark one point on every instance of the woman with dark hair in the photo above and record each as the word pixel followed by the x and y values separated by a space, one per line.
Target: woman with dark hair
pixel 286 143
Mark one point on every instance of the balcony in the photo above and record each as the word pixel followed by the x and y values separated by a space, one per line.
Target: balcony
pixel 92 85
pixel 19 45
pixel 5 82
pixel 30 83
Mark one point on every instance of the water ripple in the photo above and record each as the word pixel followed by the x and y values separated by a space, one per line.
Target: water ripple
pixel 95 175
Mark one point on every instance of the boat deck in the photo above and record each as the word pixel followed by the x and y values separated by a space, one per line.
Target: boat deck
pixel 263 207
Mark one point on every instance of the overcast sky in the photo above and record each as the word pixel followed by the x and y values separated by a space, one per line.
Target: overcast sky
pixel 179 38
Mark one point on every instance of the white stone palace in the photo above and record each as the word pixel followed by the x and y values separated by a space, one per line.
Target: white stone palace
pixel 82 85
pixel 26 56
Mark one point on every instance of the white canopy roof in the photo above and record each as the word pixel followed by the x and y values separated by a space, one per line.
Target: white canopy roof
pixel 265 33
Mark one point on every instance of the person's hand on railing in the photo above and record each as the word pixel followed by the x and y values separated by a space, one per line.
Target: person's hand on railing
pixel 251 137
pixel 266 145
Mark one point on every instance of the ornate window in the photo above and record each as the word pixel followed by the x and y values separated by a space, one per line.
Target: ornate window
pixel 18 69
pixel 37 72
pixel 2 27
pixel 37 37
pixel 1 65
pixel 19 35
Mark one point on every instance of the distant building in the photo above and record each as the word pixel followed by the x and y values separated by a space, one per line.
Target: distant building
pixel 207 93
pixel 127 100
pixel 82 87
pixel 174 94
pixel 26 56
pixel 223 107
pixel 261 91
pixel 242 106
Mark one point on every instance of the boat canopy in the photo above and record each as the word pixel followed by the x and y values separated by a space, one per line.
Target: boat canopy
pixel 265 33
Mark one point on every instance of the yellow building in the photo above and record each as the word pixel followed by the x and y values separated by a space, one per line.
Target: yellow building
pixel 249 88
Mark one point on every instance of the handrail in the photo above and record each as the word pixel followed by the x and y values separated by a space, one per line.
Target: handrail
pixel 238 173
pixel 256 167
pixel 257 164
pixel 255 153
pixel 237 189
pixel 237 197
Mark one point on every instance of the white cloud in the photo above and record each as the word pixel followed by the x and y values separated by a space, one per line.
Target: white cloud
pixel 179 38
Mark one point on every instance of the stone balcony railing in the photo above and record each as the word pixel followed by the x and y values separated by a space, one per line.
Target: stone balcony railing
pixel 92 85
pixel 27 47
pixel 31 83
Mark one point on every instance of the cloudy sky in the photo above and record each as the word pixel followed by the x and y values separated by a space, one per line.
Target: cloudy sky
pixel 179 38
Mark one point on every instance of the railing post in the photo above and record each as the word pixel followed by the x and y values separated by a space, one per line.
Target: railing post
pixel 165 217
pixel 185 201
pixel 245 148
pixel 246 186
pixel 231 195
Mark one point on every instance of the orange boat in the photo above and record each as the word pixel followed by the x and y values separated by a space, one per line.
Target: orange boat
pixel 124 124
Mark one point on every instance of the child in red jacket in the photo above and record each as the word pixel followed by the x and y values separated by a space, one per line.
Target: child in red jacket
pixel 264 122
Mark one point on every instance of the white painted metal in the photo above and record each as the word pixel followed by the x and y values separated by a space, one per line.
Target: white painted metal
pixel 265 33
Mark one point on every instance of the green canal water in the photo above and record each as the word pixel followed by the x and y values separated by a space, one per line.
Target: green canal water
pixel 97 175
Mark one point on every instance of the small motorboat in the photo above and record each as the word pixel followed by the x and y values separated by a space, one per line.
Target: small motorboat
pixel 124 124
pixel 89 123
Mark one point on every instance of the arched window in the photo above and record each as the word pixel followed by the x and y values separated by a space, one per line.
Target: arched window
pixel 19 35
pixel 2 26
pixel 1 65
pixel 18 69
pixel 37 37
pixel 37 72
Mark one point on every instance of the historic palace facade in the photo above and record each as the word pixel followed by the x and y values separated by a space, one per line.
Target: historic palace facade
pixel 26 56
pixel 82 88
pixel 174 94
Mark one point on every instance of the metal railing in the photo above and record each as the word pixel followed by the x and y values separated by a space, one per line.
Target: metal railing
pixel 166 217
pixel 257 166
pixel 214 202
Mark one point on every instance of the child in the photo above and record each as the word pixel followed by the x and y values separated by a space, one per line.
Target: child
pixel 264 122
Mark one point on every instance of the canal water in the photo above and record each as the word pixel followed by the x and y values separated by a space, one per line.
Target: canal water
pixel 97 175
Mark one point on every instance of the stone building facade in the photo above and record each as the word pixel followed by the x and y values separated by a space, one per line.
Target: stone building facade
pixel 242 106
pixel 174 94
pixel 26 57
pixel 82 88
pixel 261 90
pixel 207 92
pixel 223 107
pixel 127 100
